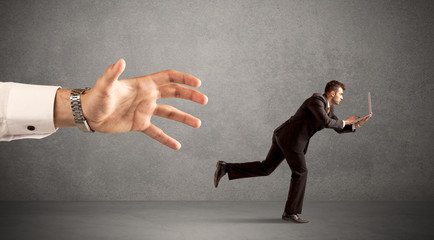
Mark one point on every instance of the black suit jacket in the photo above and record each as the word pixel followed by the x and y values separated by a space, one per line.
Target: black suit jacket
pixel 311 117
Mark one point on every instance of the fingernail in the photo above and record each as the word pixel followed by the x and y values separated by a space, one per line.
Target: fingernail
pixel 206 100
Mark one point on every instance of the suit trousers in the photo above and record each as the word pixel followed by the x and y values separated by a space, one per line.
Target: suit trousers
pixel 275 156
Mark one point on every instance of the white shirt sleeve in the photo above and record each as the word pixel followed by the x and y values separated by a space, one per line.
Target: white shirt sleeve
pixel 353 126
pixel 26 111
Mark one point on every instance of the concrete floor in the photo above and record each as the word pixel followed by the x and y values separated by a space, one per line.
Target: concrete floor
pixel 214 220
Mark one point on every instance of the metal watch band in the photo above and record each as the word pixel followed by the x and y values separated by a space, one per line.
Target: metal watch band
pixel 77 112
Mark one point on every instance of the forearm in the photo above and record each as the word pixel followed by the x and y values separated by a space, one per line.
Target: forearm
pixel 348 127
pixel 62 109
pixel 26 110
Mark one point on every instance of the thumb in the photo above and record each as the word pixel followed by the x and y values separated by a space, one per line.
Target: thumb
pixel 114 71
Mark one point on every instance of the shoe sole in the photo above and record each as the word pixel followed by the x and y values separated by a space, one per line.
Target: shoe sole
pixel 216 180
pixel 292 220
pixel 215 175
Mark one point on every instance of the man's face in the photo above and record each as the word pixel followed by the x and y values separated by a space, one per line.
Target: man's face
pixel 337 96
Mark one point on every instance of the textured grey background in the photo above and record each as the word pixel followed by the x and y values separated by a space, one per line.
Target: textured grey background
pixel 258 61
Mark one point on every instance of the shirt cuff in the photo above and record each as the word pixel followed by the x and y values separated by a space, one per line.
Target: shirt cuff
pixel 30 110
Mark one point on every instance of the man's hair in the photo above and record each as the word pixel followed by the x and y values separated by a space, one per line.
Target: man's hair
pixel 333 85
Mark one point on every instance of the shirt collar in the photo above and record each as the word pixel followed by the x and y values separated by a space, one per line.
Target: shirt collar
pixel 328 104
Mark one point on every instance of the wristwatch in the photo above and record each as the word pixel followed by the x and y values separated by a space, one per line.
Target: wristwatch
pixel 77 111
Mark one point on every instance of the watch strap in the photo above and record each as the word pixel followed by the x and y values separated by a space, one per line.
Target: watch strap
pixel 77 111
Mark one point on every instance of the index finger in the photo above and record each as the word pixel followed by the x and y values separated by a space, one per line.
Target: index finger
pixel 172 76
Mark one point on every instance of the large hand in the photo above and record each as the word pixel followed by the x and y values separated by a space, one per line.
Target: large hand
pixel 114 106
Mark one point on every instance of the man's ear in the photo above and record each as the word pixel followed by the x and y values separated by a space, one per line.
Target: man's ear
pixel 332 93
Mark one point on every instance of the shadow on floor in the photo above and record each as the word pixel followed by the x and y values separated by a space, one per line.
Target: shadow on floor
pixel 246 220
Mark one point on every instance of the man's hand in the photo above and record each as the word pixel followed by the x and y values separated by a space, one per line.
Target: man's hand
pixel 351 120
pixel 361 122
pixel 115 106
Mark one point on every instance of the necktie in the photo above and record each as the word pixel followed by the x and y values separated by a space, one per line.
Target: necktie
pixel 328 110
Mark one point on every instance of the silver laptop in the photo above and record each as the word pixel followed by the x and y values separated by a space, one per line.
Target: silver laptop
pixel 370 109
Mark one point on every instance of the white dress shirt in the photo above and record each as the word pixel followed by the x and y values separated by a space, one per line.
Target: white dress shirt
pixel 26 111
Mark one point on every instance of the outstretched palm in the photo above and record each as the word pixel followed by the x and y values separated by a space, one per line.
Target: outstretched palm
pixel 114 106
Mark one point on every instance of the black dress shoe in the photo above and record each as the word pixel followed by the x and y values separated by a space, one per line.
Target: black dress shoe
pixel 219 172
pixel 294 218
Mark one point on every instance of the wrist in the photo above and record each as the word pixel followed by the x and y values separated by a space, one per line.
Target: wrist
pixel 62 109
pixel 77 109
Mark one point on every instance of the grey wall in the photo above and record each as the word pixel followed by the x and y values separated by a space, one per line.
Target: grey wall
pixel 258 61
